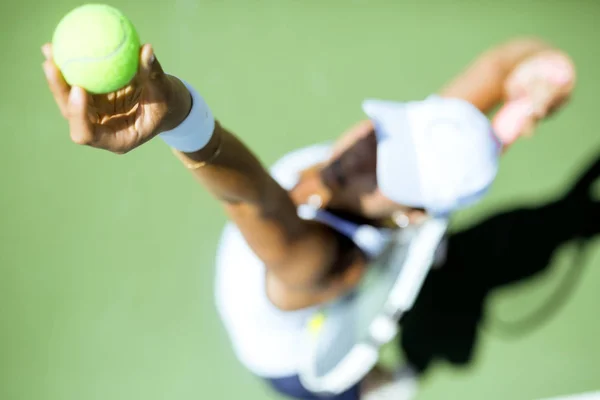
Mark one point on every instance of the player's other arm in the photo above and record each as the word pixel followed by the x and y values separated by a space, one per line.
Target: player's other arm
pixel 505 73
pixel 483 82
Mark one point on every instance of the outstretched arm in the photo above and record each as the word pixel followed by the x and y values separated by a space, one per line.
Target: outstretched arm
pixel 295 250
pixel 298 253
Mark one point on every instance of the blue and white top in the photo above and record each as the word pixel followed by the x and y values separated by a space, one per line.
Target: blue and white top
pixel 268 341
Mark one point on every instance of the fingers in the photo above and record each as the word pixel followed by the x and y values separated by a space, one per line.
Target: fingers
pixel 80 127
pixel 58 87
pixel 547 79
pixel 546 98
pixel 539 100
pixel 72 102
pixel 514 88
pixel 47 51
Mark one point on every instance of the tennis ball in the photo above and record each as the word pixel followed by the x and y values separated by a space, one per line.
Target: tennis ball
pixel 97 48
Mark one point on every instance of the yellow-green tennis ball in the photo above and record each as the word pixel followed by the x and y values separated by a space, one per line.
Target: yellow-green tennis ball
pixel 97 48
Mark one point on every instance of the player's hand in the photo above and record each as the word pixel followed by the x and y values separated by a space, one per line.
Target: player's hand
pixel 123 120
pixel 547 79
pixel 534 90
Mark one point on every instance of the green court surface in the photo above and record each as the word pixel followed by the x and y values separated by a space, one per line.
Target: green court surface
pixel 106 262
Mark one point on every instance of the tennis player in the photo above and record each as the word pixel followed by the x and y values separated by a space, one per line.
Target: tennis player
pixel 405 161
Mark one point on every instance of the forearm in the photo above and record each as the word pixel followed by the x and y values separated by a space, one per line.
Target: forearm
pixel 228 169
pixel 297 251
pixel 482 83
pixel 260 207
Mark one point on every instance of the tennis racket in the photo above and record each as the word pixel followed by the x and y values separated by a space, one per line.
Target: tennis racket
pixel 345 337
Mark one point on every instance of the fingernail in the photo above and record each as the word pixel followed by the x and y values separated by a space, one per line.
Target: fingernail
pixel 562 78
pixel 76 95
pixel 46 52
pixel 152 59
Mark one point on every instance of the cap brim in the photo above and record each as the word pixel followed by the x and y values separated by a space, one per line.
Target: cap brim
pixel 397 164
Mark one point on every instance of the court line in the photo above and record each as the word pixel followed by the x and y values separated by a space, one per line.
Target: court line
pixel 581 396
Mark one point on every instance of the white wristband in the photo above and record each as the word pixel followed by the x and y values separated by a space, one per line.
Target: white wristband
pixel 197 128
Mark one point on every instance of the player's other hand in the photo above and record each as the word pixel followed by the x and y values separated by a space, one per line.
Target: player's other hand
pixel 534 90
pixel 120 121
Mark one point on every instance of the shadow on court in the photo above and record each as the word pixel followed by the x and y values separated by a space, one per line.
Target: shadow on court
pixel 504 249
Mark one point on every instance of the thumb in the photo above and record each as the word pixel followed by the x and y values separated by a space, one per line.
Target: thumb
pixel 80 126
pixel 542 96
pixel 150 68
pixel 152 78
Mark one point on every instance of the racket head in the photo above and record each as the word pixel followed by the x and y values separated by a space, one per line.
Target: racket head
pixel 344 338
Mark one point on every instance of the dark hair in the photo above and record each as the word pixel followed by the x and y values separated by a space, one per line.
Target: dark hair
pixel 346 255
pixel 359 158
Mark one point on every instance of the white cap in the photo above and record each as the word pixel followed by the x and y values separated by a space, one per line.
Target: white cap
pixel 439 154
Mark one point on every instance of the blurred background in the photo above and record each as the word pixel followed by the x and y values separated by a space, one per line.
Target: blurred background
pixel 106 262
